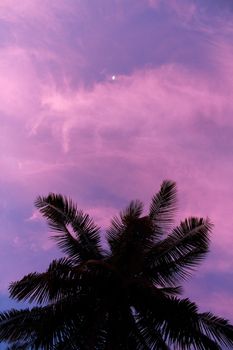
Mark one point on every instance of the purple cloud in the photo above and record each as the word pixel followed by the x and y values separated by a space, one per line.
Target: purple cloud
pixel 67 126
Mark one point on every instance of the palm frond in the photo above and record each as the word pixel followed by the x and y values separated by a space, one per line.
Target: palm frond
pixel 151 335
pixel 20 346
pixel 179 322
pixel 162 208
pixel 11 327
pixel 133 211
pixel 170 291
pixel 129 237
pixel 61 213
pixel 216 328
pixel 44 327
pixel 58 281
pixel 202 331
pixel 177 255
pixel 119 224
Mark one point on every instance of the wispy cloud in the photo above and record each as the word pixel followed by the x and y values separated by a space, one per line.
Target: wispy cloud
pixel 66 126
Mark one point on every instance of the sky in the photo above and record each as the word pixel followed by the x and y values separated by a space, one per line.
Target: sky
pixel 102 101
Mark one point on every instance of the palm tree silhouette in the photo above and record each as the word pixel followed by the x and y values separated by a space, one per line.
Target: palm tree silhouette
pixel 122 298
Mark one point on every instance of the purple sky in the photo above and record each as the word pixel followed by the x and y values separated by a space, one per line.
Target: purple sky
pixel 67 126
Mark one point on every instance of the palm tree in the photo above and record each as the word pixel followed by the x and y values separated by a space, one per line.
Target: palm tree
pixel 125 297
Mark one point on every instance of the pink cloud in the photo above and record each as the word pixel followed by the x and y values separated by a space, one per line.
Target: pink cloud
pixel 107 142
pixel 154 3
pixel 43 11
pixel 19 83
pixel 185 10
pixel 155 109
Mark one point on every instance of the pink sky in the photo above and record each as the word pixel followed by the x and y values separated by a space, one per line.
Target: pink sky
pixel 67 126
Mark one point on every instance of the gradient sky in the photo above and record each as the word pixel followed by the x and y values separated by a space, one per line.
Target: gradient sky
pixel 67 126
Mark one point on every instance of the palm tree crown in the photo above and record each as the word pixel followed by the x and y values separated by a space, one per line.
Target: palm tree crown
pixel 126 297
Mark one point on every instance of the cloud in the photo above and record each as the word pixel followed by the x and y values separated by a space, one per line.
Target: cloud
pixel 154 3
pixel 90 129
pixel 66 127
pixel 183 9
pixel 30 11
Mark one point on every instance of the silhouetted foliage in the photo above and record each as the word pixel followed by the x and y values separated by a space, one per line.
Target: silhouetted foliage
pixel 124 298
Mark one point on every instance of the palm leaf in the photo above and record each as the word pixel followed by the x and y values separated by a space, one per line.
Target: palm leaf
pixel 129 236
pixel 58 281
pixel 151 335
pixel 64 280
pixel 162 208
pixel 217 328
pixel 178 320
pixel 177 255
pixel 20 346
pixel 44 327
pixel 116 233
pixel 61 213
